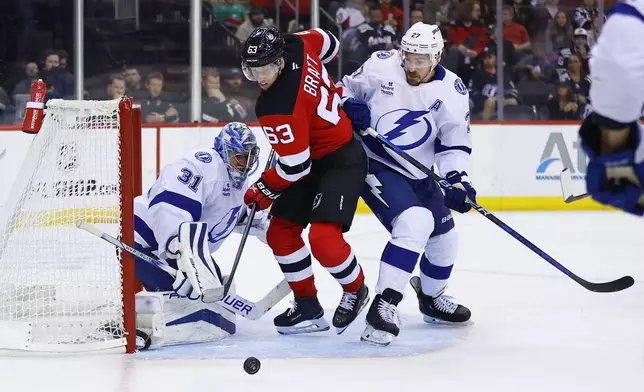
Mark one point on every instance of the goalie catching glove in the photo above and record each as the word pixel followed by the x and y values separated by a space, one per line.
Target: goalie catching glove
pixel 197 273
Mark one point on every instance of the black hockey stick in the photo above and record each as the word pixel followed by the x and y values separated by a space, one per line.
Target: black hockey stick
pixel 607 287
pixel 242 242
pixel 566 187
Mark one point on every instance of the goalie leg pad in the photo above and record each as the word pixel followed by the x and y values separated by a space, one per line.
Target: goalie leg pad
pixel 149 316
pixel 195 262
pixel 192 321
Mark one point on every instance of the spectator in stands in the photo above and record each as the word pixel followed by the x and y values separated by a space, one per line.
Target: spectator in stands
pixel 5 106
pixel 133 87
pixel 391 15
pixel 524 14
pixel 154 108
pixel 579 79
pixel 63 56
pixel 559 33
pixel 563 104
pixel 60 84
pixel 536 66
pixel 593 33
pixel 257 18
pixel 545 11
pixel 483 87
pixel 229 12
pixel 583 16
pixel 416 16
pixel 215 106
pixel 115 86
pixel 509 53
pixel 580 48
pixel 31 74
pixel 467 37
pixel 375 35
pixel 440 12
pixel 514 32
pixel 352 14
pixel 234 88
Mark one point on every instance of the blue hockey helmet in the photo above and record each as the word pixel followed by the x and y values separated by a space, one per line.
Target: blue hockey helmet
pixel 237 146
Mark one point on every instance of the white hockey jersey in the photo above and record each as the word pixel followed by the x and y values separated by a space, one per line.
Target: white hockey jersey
pixel 430 121
pixel 617 64
pixel 195 188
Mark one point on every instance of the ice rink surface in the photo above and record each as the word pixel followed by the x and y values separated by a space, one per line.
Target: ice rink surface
pixel 533 328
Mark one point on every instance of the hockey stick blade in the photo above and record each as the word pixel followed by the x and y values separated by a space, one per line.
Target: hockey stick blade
pixel 566 187
pixel 607 287
pixel 234 303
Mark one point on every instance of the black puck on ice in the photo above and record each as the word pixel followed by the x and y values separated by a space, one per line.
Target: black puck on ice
pixel 252 365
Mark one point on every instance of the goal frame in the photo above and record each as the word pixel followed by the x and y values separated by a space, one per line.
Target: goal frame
pixel 127 163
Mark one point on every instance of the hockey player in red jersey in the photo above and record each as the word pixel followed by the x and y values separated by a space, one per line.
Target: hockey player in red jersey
pixel 319 174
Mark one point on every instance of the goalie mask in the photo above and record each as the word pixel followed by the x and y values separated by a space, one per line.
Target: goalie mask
pixel 420 51
pixel 237 147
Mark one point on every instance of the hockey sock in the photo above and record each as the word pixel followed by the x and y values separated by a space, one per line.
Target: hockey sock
pixel 437 262
pixel 397 264
pixel 335 254
pixel 285 239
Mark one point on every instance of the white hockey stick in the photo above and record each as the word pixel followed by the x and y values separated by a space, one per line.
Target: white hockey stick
pixel 234 303
pixel 566 187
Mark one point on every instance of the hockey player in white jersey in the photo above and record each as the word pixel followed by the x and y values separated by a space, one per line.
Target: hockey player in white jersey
pixel 612 136
pixel 423 108
pixel 184 217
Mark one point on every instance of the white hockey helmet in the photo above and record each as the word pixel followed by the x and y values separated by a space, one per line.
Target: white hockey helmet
pixel 423 39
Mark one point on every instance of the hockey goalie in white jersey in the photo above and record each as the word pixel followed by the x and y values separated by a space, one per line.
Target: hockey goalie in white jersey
pixel 188 212
pixel 423 108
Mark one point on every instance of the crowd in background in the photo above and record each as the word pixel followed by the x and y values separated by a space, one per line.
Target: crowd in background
pixel 546 47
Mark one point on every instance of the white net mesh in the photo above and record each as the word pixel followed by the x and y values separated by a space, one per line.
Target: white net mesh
pixel 60 285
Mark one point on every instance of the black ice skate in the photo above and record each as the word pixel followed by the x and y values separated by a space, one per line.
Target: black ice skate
pixel 305 316
pixel 350 307
pixel 441 309
pixel 383 322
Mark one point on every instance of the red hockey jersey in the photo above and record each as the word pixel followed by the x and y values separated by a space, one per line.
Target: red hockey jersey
pixel 300 113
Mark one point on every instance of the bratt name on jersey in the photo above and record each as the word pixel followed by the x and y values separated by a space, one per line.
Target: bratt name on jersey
pixel 312 79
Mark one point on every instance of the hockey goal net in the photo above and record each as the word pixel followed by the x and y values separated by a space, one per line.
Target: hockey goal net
pixel 62 289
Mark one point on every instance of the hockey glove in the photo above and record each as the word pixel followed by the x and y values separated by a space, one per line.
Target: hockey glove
pixel 359 114
pixel 614 179
pixel 261 194
pixel 259 225
pixel 458 193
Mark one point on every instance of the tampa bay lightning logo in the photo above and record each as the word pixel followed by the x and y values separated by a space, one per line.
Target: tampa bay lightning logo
pixel 203 156
pixel 385 54
pixel 460 87
pixel 408 128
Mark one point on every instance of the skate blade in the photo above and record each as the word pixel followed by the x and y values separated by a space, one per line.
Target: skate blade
pixel 339 330
pixel 437 321
pixel 308 326
pixel 375 337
